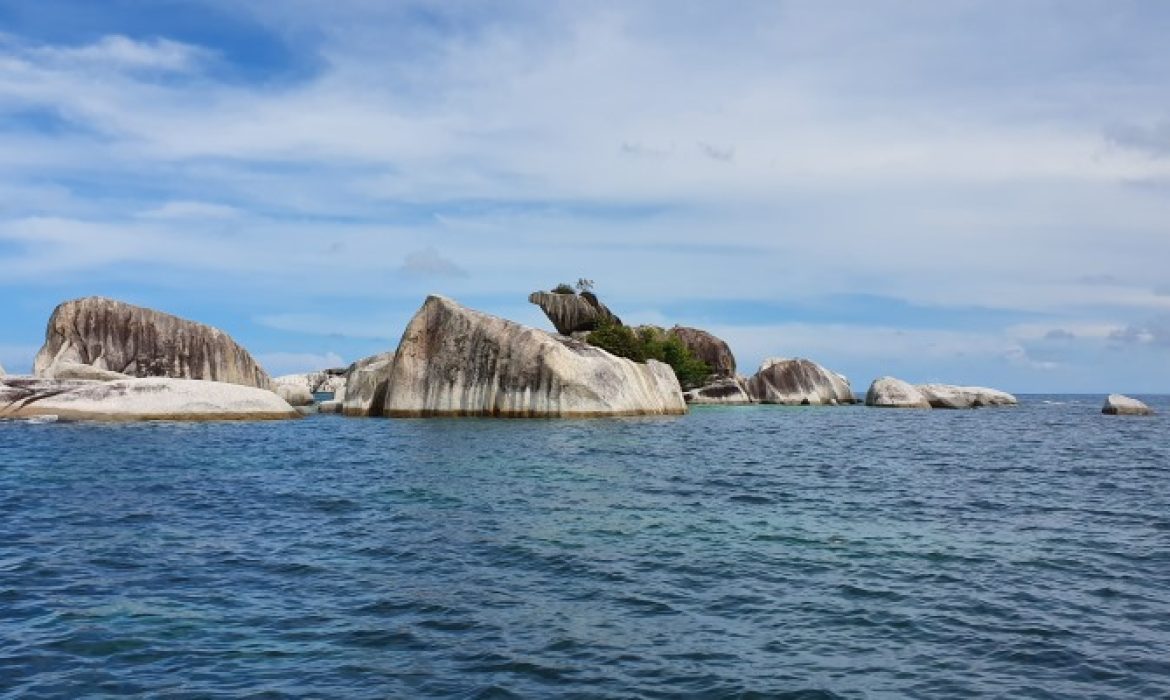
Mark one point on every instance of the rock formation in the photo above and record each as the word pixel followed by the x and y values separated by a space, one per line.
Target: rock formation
pixel 119 337
pixel 453 361
pixel 139 399
pixel 1120 405
pixel 950 396
pixel 2 372
pixel 366 382
pixel 295 394
pixel 888 392
pixel 327 381
pixel 798 382
pixel 72 370
pixel 727 392
pixel 572 313
pixel 708 348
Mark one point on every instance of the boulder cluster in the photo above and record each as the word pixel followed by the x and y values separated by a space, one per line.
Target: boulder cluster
pixel 109 360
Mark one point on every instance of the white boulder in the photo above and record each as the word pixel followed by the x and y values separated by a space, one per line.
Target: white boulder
pixel 951 396
pixel 889 392
pixel 1121 405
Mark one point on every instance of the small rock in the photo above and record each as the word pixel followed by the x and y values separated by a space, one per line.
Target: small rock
pixel 1120 405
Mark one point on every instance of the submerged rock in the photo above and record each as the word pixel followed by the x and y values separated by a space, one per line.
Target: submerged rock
pixel 573 313
pixel 454 361
pixel 708 348
pixel 1121 405
pixel 950 396
pixel 889 392
pixel 139 399
pixel 798 382
pixel 132 340
pixel 726 392
pixel 366 382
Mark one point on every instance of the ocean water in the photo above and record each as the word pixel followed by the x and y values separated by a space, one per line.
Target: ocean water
pixel 734 552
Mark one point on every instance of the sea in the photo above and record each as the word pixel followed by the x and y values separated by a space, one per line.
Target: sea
pixel 750 552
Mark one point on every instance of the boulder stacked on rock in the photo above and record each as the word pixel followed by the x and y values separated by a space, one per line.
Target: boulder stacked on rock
pixel 890 392
pixel 713 351
pixel 453 361
pixel 573 313
pixel 798 382
pixel 114 336
pixel 1121 405
pixel 139 399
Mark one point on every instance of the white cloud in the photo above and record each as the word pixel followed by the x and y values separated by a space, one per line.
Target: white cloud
pixel 191 210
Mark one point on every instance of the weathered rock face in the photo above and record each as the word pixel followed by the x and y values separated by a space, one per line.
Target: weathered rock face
pixel 366 382
pixel 950 396
pixel 888 392
pixel 294 394
pixel 139 399
pixel 2 372
pixel 726 392
pixel 708 348
pixel 798 382
pixel 572 313
pixel 453 361
pixel 119 337
pixel 1120 405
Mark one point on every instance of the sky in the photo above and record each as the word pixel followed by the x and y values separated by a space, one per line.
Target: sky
pixel 964 192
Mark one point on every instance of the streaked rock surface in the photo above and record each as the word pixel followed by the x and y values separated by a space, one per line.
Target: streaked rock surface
pixel 798 382
pixel 1121 405
pixel 572 313
pixel 710 349
pixel 294 394
pixel 890 392
pixel 139 342
pixel 454 361
pixel 951 396
pixel 726 392
pixel 139 399
pixel 366 382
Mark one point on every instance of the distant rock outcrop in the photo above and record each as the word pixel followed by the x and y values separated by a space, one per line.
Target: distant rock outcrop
pixel 573 313
pixel 798 382
pixel 366 382
pixel 2 372
pixel 715 352
pixel 327 381
pixel 139 342
pixel 138 400
pixel 454 361
pixel 950 396
pixel 1120 405
pixel 889 392
pixel 727 392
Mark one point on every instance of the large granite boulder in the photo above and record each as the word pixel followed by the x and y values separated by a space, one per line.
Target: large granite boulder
pixel 453 361
pixel 708 348
pixel 722 392
pixel 950 396
pixel 573 313
pixel 366 382
pixel 72 370
pixel 798 382
pixel 139 399
pixel 1120 405
pixel 295 394
pixel 119 337
pixel 889 392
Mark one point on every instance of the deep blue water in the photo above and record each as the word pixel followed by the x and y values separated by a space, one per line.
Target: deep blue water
pixel 751 552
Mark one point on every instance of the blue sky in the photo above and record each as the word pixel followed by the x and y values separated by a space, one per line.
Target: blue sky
pixel 947 191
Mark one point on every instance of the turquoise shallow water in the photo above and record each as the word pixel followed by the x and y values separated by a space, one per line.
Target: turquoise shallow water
pixel 734 552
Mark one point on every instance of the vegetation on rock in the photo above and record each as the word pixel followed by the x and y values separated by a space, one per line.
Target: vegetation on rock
pixel 649 343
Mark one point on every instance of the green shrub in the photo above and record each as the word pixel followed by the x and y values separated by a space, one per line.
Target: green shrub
pixel 649 343
pixel 563 288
